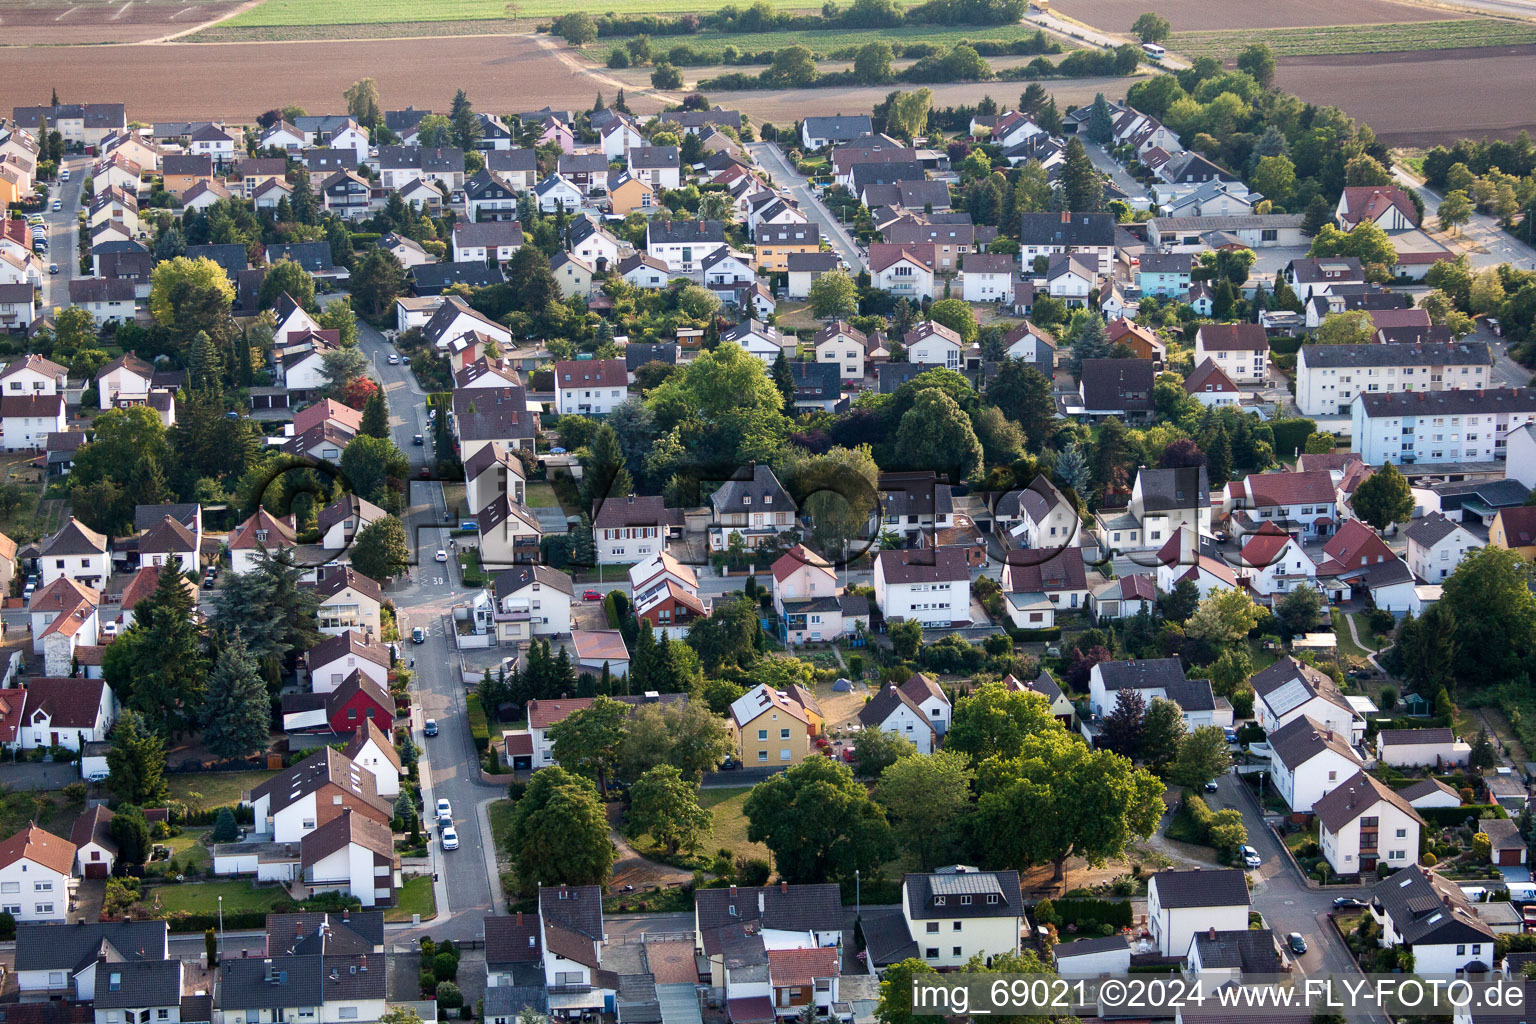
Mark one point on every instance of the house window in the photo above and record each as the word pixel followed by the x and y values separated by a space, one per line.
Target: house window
pixel 762 734
pixel 784 754
pixel 956 950
pixel 931 953
pixel 347 1013
pixel 762 755
pixel 783 734
pixel 45 908
pixel 933 927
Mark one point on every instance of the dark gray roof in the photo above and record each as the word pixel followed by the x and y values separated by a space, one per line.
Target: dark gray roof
pixel 893 375
pixel 1302 739
pixel 867 174
pixel 1103 944
pixel 1392 737
pixel 915 494
pixel 1312 683
pixel 886 937
pixel 582 163
pixel 576 908
pixel 400 121
pixel 1428 909
pixel 653 156
pixel 515 579
pixel 1493 493
pixel 637 354
pixel 816 381
pixel 1309 270
pixel 232 257
pixel 685 231
pixel 788 234
pixel 1183 488
pixel 759 485
pixel 1067 229
pixel 1430 530
pixel 138 983
pixel 312 256
pixel 964 892
pixel 1328 356
pixel 357 931
pixel 146 516
pixel 492 414
pixel 839 129
pixel 1250 951
pixel 443 160
pixel 1167 262
pixel 58 947
pixel 1226 887
pixel 504 161
pixel 1117 385
pixel 1356 796
pixel 814 907
pixel 433 278
pixel 512 938
pixel 812 261
pixel 1140 674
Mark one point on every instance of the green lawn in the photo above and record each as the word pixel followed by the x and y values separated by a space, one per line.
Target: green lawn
pixel 1423 35
pixel 500 813
pixel 188 848
pixel 540 495
pixel 730 829
pixel 469 568
pixel 202 790
pixel 416 897
pixel 203 897
pixel 1346 642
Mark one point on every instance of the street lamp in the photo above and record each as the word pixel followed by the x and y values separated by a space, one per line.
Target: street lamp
pixel 220 949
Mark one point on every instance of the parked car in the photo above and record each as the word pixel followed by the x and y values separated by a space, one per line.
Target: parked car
pixel 730 764
pixel 592 595
pixel 1211 787
pixel 58 204
pixel 418 635
pixel 394 359
pixel 419 441
pixel 1348 902
pixel 425 473
pixel 1297 943
pixel 429 728
pixel 64 174
pixel 444 808
pixel 1251 857
pixel 441 556
pixel 53 268
pixel 450 838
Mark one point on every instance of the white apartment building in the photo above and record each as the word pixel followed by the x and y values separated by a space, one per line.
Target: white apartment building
pixel 1328 377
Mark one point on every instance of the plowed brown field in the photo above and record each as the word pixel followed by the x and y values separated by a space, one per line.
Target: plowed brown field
pixel 1202 15
pixel 59 23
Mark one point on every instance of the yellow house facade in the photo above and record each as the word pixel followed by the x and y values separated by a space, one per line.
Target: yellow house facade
pixel 770 728
pixel 1514 529
pixel 630 195
pixel 775 242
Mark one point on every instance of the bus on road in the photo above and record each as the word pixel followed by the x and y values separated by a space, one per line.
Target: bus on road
pixel 1154 51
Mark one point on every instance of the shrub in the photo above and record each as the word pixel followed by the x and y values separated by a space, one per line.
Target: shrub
pixel 427 982
pixel 1090 914
pixel 445 966
pixel 752 871
pixel 448 995
pixel 1381 620
pixel 7 927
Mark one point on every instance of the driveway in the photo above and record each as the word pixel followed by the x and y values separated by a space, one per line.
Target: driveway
pixel 768 157
pixel 39 776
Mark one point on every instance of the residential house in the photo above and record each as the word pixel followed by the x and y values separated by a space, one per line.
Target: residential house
pixel 489 197
pixel 1122 598
pixel 915 503
pixel 1093 958
pixel 917 710
pixel 619 136
pixel 400 165
pixel 1089 235
pixel 336 657
pixel 684 244
pixel 987 277
pixel 18 306
pixel 631 528
pixel 810 605
pixel 573 275
pixel 1117 387
pixel 35 870
pixel 1413 748
pixel 1211 387
pixel 1311 276
pixel 348 600
pixel 1432 918
pixel 86 124
pixel 1155 677
pixel 957 913
pixel 727 273
pixel 75 551
pixel 1273 563
pixel 932 586
pixel 314 257
pixel 1514 529
pixel 1162 502
pixel 64 711
pixel 106 299
pixel 555 194
pixel 352 854
pixel 297 800
pixel 1386 206
pixel 588 172
pixel 590 387
pixel 821 132
pixel 301 987
pixel 95 849
pixel 777 242
pixel 844 346
pixel 1219 958
pixel 932 343
pixel 1438 427
pixel 1183 903
pixel 531 600
pixel 1364 822
pixel 72 963
pixel 1290 690
pixel 629 194
pixel 769 726
pixel 1308 760
pixel 356 700
pixel 666 594
pixel 905 271
pixel 752 505
pixel 1436 546
pixel 437 278
pixel 818 386
pixel 1070 279
pixel 804 268
pixel 1240 350
pixel 1038 582
pixel 1165 275
pixel 656 166
pixel 487 241
pixel 1190 168
pixel 1304 505
pixel 180 173
pixel 509 533
pixel 591 242
pixel 517 167
pixel 27 420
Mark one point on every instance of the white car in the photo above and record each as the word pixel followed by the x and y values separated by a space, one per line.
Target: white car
pixel 394 359
pixel 1250 857
pixel 444 808
pixel 442 556
pixel 450 839
pixel 64 174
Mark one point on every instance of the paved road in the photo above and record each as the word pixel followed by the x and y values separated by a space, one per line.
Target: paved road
pixel 1486 244
pixel 1095 37
pixel 1101 159
pixel 467 887
pixel 1279 894
pixel 767 156
pixel 63 234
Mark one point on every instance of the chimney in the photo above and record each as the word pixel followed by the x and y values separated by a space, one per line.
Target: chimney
pixel 1213 933
pixel 784 887
pixel 298 930
pixel 363 963
pixel 346 914
pixel 519 918
pixel 733 892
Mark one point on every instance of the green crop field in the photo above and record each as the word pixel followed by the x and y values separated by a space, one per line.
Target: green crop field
pixel 1336 39
pixel 358 12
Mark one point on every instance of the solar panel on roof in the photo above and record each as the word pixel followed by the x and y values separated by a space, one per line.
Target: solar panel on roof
pixel 964 885
pixel 1289 696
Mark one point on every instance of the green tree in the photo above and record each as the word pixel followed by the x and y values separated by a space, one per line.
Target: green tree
pixel 820 824
pixel 377 282
pixel 875 750
pixel 997 723
pixel 1259 61
pixel 186 296
pixel 834 294
pixel 906 637
pixel 1351 327
pixel 1023 394
pixel 1180 603
pixel 784 381
pixel 376 416
pixel 270 610
pixel 161 671
pixel 381 550
pixel 665 806
pixel 957 316
pixel 895 1006
pixel 434 131
pixel 1488 599
pixel 237 714
pixel 577 28
pixel 793 67
pixel 1225 617
pixel 1369 243
pixel 926 796
pixel 586 741
pixel 1123 725
pixel 1203 756
pixel 1275 177
pixel 604 472
pixel 287 277
pixel 466 124
pixel 339 366
pixel 1101 122
pixel 370 463
pixel 872 65
pixel 225 828
pixel 1162 731
pixel 1455 210
pixel 725 409
pixel 666 76
pixel 74 329
pixel 731 635
pixel 136 761
pixel 1082 188
pixel 937 434
pixel 131 831
pixel 1384 498
pixel 1300 611
pixel 363 104
pixel 1060 799
pixel 909 113
pixel 1151 28
pixel 558 833
pixel 686 735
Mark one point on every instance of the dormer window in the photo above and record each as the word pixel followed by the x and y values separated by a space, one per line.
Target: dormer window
pixel 746 500
pixel 767 499
pixel 991 898
pixel 938 901
pixel 965 901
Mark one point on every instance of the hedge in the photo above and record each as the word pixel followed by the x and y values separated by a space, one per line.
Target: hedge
pixel 1090 915
pixel 1026 635
pixel 1452 817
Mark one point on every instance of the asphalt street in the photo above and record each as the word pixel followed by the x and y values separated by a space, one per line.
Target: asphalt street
pixel 467 886
pixel 63 234
pixel 768 157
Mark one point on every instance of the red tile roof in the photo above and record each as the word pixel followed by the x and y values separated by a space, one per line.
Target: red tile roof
pixel 1368 202
pixel 1269 489
pixel 40 847
pixel 1519 525
pixel 797 558
pixel 799 968
pixel 70 703
pixel 591 373
pixel 1233 338
pixel 1260 549
pixel 1209 377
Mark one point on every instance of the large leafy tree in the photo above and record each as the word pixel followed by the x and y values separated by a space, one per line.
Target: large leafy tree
pixel 724 409
pixel 187 296
pixel 834 294
pixel 123 466
pixel 685 735
pixel 380 550
pixel 926 797
pixel 875 750
pixel 1384 498
pixel 820 824
pixel 1023 393
pixel 157 667
pixel 995 721
pixel 731 635
pixel 1494 611
pixel 1162 732
pixel 287 276
pixel 558 833
pixel 895 1006
pixel 665 806
pixel 587 741
pixel 370 463
pixel 936 434
pixel 237 714
pixel 1203 756
pixel 136 761
pixel 377 282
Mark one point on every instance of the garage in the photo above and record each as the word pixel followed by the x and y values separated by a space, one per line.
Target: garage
pixel 96 870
